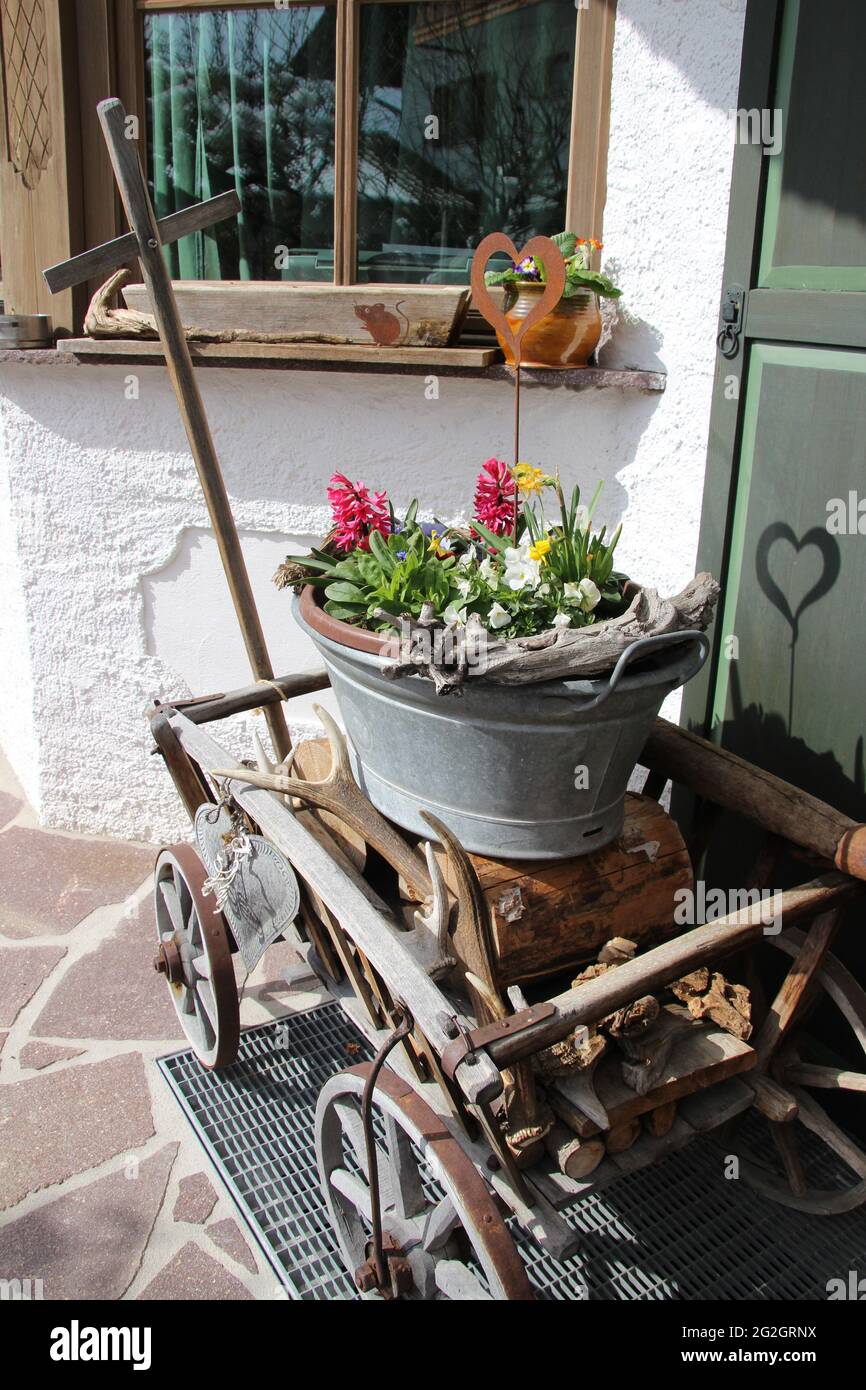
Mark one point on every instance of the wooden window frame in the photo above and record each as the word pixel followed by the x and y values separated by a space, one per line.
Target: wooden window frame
pixel 106 39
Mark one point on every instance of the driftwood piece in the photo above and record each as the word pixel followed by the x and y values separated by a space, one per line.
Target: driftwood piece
pixel 647 1054
pixel 569 653
pixel 633 1022
pixel 574 1157
pixel 708 994
pixel 616 950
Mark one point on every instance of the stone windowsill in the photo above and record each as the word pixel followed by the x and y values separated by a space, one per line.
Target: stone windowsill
pixel 472 362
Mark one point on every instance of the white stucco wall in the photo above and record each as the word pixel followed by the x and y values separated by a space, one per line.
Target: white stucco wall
pixel 112 591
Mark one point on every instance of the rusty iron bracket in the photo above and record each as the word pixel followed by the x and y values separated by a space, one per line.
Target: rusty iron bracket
pixel 471 1040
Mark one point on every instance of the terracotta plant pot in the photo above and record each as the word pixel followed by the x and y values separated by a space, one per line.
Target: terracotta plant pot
pixel 566 337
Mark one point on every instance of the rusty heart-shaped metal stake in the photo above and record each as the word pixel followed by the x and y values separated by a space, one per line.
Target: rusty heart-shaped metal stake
pixel 540 248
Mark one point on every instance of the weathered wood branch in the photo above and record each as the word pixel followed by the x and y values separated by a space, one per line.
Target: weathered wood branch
pixel 569 653
pixel 782 809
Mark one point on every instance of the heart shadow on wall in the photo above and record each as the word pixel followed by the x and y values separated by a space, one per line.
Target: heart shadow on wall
pixel 779 533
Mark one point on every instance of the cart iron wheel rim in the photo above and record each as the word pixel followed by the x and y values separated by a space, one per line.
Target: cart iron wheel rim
pixel 195 957
pixel 837 984
pixel 436 1248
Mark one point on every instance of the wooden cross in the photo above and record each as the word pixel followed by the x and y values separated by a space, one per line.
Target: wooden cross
pixel 145 240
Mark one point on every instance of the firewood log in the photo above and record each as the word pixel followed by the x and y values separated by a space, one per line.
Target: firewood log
pixel 622 1138
pixel 660 1121
pixel 574 1157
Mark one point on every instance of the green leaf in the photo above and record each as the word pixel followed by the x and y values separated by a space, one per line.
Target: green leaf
pixel 381 552
pixel 345 593
pixel 589 280
pixel 566 241
pixel 347 613
pixel 499 277
pixel 409 519
pixel 500 543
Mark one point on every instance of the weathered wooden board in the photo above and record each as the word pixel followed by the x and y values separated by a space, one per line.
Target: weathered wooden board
pixel 385 315
pixel 276 354
pixel 552 915
pixel 703 1057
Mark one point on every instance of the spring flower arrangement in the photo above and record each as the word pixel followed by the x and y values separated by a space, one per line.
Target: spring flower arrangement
pixel 521 571
pixel 576 252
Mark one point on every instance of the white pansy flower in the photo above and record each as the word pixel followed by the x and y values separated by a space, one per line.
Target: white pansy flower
pixel 571 592
pixel 589 595
pixel 454 616
pixel 498 617
pixel 463 587
pixel 486 570
pixel 521 571
pixel 466 559
pixel 543 589
pixel 562 620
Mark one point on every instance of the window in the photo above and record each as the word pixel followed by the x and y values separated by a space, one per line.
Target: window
pixel 371 140
pixel 368 140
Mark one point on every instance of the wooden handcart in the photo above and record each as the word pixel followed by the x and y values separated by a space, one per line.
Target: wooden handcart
pixel 540 1030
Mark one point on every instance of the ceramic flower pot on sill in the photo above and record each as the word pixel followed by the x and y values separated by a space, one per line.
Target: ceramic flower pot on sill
pixel 498 765
pixel 566 337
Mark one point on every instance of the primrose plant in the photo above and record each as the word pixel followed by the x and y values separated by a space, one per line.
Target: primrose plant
pixel 519 569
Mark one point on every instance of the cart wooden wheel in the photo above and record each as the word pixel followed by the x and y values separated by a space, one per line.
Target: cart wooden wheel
pixel 437 1213
pixel 804 1141
pixel 195 957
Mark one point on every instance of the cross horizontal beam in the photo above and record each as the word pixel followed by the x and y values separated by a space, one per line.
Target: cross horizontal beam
pixel 103 259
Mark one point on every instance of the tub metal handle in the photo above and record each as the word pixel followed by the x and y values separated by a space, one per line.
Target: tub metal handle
pixel 639 648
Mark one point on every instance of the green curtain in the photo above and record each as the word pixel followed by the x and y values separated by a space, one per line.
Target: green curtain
pixel 244 100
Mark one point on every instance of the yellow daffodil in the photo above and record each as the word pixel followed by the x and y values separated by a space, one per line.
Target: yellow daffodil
pixel 529 479
pixel 539 550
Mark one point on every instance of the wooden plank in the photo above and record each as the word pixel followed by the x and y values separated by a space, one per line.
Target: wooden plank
pixel 708 1109
pixel 590 118
pixel 346 142
pixel 807 316
pixel 262 353
pixel 701 1058
pixel 384 316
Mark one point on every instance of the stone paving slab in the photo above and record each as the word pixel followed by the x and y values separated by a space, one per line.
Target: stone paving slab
pixel 36 1056
pixel 194 1275
pixel 227 1235
pixel 51 882
pixel 68 1121
pixel 89 1243
pixel 113 991
pixel 196 1199
pixel 22 970
pixel 9 807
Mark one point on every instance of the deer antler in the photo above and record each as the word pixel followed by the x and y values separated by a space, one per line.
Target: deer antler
pixel 340 794
pixel 430 933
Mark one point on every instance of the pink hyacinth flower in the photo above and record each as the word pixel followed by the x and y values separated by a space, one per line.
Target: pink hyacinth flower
pixel 494 496
pixel 356 513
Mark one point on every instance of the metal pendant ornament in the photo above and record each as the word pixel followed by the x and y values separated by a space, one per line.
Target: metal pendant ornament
pixel 252 883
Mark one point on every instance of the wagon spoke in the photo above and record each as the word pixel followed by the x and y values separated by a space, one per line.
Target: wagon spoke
pixel 824 1078
pixel 456 1281
pixel 408 1189
pixel 183 894
pixel 171 898
pixel 815 1118
pixel 350 1119
pixel 207 1002
pixel 441 1223
pixel 354 1189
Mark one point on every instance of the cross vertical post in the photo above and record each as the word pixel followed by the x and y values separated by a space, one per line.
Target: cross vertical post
pixel 128 172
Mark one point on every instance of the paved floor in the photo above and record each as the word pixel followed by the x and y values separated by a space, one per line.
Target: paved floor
pixel 104 1192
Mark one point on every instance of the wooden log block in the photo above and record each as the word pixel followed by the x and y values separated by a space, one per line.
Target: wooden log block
pixel 575 1157
pixel 622 1136
pixel 657 1122
pixel 551 915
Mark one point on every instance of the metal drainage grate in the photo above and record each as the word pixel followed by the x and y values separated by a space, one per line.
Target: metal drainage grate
pixel 678 1230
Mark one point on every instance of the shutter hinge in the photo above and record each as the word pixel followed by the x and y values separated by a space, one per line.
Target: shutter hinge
pixel 733 318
